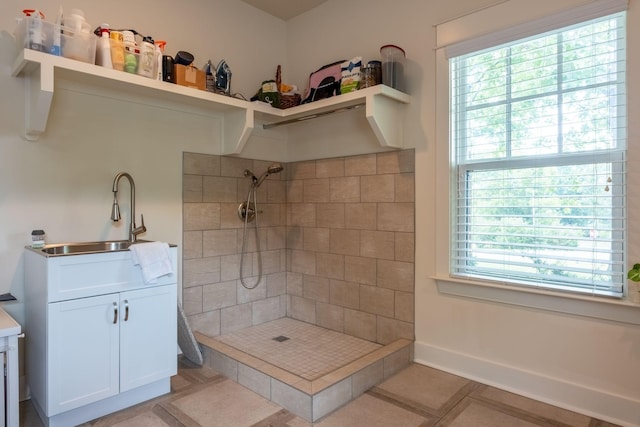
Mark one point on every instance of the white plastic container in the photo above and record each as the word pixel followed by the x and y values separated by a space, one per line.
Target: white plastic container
pixel 103 50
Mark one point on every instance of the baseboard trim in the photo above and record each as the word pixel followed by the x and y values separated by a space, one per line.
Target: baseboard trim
pixel 579 398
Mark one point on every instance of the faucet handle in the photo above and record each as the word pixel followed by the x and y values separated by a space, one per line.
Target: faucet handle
pixel 138 230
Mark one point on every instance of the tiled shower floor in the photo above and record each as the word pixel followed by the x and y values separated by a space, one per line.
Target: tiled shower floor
pixel 308 351
pixel 312 373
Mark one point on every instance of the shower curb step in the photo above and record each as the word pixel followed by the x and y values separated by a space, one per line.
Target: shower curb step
pixel 310 400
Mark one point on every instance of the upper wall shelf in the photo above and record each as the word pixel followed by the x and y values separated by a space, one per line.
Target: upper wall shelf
pixel 383 105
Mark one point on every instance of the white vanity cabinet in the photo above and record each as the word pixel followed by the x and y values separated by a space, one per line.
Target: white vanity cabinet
pixel 99 338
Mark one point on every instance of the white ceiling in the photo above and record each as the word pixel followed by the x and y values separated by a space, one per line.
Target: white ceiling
pixel 284 9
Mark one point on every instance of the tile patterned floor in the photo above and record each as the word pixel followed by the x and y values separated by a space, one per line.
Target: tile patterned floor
pixel 417 396
pixel 308 352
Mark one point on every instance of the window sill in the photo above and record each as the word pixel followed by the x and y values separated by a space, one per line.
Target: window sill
pixel 597 307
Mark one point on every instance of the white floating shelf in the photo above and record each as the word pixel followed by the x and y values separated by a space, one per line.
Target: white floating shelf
pixel 384 105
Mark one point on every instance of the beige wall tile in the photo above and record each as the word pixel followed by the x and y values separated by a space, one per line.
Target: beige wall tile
pixel 303 262
pixel 235 166
pixel 219 295
pixel 257 292
pixel 230 267
pixel 276 284
pixel 359 324
pixel 360 270
pixel 376 300
pixel 276 238
pixel 316 190
pixel 377 244
pixel 200 271
pixel 294 283
pixel 395 275
pixel 301 170
pixel 295 238
pixel 207 323
pixel 390 330
pixel 378 188
pixel 219 242
pixel 266 310
pixel 330 265
pixel 405 247
pixel 401 161
pixel 301 214
pixel 192 188
pixel 201 164
pixel 191 244
pixel 361 216
pixel 344 294
pixel 192 300
pixel 302 309
pixel 316 239
pixel 229 216
pixel 330 316
pixel 345 189
pixel 360 165
pixel 295 191
pixel 345 242
pixel 330 215
pixel 329 168
pixel 276 191
pixel 270 262
pixel 405 187
pixel 219 189
pixel 201 216
pixel 404 306
pixel 316 288
pixel 396 216
pixel 235 317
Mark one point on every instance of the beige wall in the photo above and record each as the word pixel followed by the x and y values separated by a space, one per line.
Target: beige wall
pixel 337 240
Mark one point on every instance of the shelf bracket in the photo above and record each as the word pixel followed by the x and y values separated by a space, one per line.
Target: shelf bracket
pixel 237 129
pixel 39 85
pixel 385 116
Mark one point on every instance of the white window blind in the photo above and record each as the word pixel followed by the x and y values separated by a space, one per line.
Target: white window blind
pixel 538 130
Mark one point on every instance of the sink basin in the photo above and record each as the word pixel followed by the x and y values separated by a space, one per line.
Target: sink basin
pixel 86 247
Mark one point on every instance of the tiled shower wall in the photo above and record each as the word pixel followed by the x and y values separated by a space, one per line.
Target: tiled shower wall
pixel 337 237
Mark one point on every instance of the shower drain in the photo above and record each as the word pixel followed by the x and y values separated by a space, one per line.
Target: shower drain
pixel 280 338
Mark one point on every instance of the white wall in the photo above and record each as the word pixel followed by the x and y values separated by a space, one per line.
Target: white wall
pixel 62 183
pixel 577 362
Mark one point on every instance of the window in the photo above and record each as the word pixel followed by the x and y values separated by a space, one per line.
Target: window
pixel 538 134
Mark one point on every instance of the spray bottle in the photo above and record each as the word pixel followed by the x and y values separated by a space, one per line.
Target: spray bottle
pixel 103 50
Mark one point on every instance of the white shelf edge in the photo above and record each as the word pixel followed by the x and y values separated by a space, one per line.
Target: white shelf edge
pixel 383 104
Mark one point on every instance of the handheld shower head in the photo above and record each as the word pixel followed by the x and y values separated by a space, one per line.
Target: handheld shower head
pixel 274 168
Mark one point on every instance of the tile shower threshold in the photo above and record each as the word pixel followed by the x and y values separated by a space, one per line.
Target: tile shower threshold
pixel 309 399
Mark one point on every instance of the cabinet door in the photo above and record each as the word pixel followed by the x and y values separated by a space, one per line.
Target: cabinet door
pixel 83 348
pixel 148 335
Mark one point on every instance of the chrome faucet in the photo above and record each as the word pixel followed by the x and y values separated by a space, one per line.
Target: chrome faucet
pixel 115 211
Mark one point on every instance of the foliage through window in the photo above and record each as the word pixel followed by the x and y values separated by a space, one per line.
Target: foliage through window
pixel 538 133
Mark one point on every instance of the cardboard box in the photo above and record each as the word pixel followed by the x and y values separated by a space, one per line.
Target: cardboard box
pixel 190 76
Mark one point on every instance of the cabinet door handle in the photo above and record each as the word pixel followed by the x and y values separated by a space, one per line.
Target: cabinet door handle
pixel 115 313
pixel 126 310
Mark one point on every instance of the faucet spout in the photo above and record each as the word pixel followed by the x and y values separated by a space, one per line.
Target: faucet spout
pixel 115 212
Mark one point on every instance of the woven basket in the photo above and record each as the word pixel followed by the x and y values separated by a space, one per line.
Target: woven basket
pixel 288 101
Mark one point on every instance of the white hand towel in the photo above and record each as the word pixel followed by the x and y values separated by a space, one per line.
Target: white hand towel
pixel 153 258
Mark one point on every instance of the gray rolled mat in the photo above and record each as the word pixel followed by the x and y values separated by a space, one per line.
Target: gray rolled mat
pixel 187 341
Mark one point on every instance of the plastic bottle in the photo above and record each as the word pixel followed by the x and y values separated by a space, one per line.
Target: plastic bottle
pixel 117 50
pixel 103 50
pixel 147 59
pixel 131 52
pixel 160 44
pixel 56 44
pixel 35 32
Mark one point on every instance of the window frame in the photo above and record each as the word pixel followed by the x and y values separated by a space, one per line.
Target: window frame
pixel 450 40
